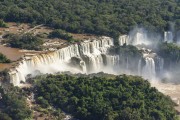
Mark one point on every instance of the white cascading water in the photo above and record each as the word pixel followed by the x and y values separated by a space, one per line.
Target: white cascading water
pixel 90 52
pixel 160 65
pixel 90 56
pixel 168 37
pixel 139 37
pixel 148 68
pixel 112 65
pixel 124 39
pixel 152 68
pixel 140 67
pixel 148 71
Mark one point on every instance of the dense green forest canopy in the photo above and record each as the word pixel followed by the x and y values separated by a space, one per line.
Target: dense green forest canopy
pixel 107 17
pixel 104 97
pixel 127 53
pixel 25 41
pixel 13 104
pixel 169 51
pixel 58 33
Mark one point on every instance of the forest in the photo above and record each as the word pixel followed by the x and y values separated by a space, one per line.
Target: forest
pixel 99 96
pixel 13 104
pixel 102 17
pixel 103 97
pixel 24 41
pixel 61 34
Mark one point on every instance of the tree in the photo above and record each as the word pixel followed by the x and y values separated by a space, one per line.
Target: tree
pixel 25 41
pixel 2 23
pixel 97 98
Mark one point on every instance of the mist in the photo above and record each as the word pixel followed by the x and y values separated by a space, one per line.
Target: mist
pixel 136 55
pixel 149 42
pixel 141 36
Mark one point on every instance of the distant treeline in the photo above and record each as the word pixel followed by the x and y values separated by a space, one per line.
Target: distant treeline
pixel 102 17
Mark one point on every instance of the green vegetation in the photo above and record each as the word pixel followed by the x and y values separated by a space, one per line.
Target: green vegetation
pixel 26 41
pixel 107 17
pixel 13 104
pixel 4 59
pixel 128 54
pixel 126 50
pixel 2 23
pixel 58 33
pixel 104 98
pixel 170 52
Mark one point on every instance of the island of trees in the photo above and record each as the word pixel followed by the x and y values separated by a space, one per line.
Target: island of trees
pixel 104 97
pixel 24 41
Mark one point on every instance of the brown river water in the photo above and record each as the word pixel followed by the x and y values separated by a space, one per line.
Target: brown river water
pixel 170 89
pixel 11 53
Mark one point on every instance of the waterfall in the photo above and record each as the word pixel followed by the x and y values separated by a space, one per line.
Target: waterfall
pixel 139 37
pixel 112 60
pixel 148 71
pixel 90 56
pixel 83 66
pixel 159 66
pixel 94 63
pixel 140 67
pixel 89 52
pixel 151 68
pixel 127 63
pixel 168 37
pixel 124 39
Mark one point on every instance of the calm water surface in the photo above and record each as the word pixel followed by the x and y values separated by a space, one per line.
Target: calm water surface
pixel 11 53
